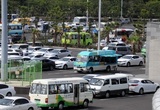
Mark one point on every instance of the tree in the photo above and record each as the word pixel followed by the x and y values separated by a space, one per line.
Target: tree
pixel 78 30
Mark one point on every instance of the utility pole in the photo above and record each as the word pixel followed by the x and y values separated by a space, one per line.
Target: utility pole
pixel 4 42
pixel 99 25
pixel 87 15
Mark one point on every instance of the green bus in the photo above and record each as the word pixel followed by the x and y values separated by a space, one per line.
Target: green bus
pixel 72 38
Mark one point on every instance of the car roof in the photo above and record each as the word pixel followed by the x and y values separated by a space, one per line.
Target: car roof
pixel 140 79
pixel 69 57
pixel 15 97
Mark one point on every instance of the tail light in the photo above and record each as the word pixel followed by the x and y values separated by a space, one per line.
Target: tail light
pixel 134 85
pixel 46 100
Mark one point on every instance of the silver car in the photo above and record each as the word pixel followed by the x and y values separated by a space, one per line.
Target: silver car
pixel 58 53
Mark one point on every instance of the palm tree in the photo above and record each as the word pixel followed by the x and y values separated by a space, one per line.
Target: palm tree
pixel 78 30
pixel 35 34
pixel 134 40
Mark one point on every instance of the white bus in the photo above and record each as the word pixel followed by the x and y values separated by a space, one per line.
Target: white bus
pixel 60 92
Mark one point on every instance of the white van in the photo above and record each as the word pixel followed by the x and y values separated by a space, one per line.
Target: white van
pixel 60 92
pixel 107 85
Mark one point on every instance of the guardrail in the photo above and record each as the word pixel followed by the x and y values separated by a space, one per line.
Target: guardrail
pixel 156 100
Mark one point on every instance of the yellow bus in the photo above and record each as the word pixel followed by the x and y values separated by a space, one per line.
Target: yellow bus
pixel 26 21
pixel 72 38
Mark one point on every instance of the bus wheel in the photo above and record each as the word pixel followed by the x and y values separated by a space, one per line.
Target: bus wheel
pixel 60 106
pixel 108 68
pixel 85 104
pixel 90 70
pixel 44 108
pixel 79 71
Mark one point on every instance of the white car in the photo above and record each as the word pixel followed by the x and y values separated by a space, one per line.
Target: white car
pixel 128 60
pixel 42 51
pixel 58 53
pixel 30 50
pixel 17 103
pixel 102 43
pixel 7 90
pixel 65 62
pixel 141 86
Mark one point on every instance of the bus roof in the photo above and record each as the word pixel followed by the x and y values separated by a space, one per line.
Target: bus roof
pixel 111 76
pixel 59 80
pixel 97 52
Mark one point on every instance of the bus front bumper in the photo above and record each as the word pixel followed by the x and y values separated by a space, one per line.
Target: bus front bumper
pixel 81 69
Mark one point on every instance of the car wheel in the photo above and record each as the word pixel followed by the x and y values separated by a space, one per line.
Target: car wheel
pixel 51 68
pixel 69 55
pixel 108 68
pixel 128 64
pixel 141 91
pixel 140 63
pixel 30 108
pixel 9 94
pixel 107 95
pixel 123 93
pixel 60 106
pixel 65 67
pixel 90 70
pixel 85 104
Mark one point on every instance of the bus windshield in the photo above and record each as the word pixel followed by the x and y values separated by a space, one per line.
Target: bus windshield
pixel 38 88
pixel 96 82
pixel 82 58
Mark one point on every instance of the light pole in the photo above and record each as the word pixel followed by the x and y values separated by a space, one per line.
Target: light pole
pixel 121 9
pixel 99 24
pixel 4 55
pixel 87 14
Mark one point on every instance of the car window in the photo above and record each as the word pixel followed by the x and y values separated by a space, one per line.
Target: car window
pixel 3 86
pixel 50 49
pixel 21 101
pixel 121 49
pixel 111 48
pixel 53 58
pixel 143 81
pixel 115 81
pixel 121 44
pixel 135 57
pixel 148 81
pixel 63 50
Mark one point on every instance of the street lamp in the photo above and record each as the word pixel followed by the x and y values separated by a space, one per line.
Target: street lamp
pixel 121 9
pixel 99 24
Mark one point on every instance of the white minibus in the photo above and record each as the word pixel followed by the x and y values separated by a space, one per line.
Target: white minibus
pixel 60 92
pixel 107 85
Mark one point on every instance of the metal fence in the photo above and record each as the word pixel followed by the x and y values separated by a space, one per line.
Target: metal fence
pixel 22 73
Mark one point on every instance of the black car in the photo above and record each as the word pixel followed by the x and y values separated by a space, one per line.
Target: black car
pixel 46 63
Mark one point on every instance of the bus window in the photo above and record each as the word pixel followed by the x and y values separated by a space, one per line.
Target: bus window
pixel 84 87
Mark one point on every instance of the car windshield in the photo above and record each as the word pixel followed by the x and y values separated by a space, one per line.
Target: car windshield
pixel 64 59
pixel 133 81
pixel 97 82
pixel 88 77
pixel 54 51
pixel 127 57
pixel 42 50
pixel 6 102
pixel 38 88
pixel 15 46
pixel 82 58
pixel 30 48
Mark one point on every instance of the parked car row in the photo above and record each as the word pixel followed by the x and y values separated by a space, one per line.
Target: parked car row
pixel 105 85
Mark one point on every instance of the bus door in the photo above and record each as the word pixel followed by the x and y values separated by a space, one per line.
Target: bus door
pixel 76 94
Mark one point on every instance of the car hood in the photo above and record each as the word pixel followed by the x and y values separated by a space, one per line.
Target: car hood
pixel 59 62
pixel 123 59
pixel 50 54
pixel 3 107
pixel 95 87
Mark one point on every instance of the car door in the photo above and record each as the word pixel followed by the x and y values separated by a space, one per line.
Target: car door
pixel 144 85
pixel 62 53
pixel 4 89
pixel 21 104
pixel 151 86
pixel 133 60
